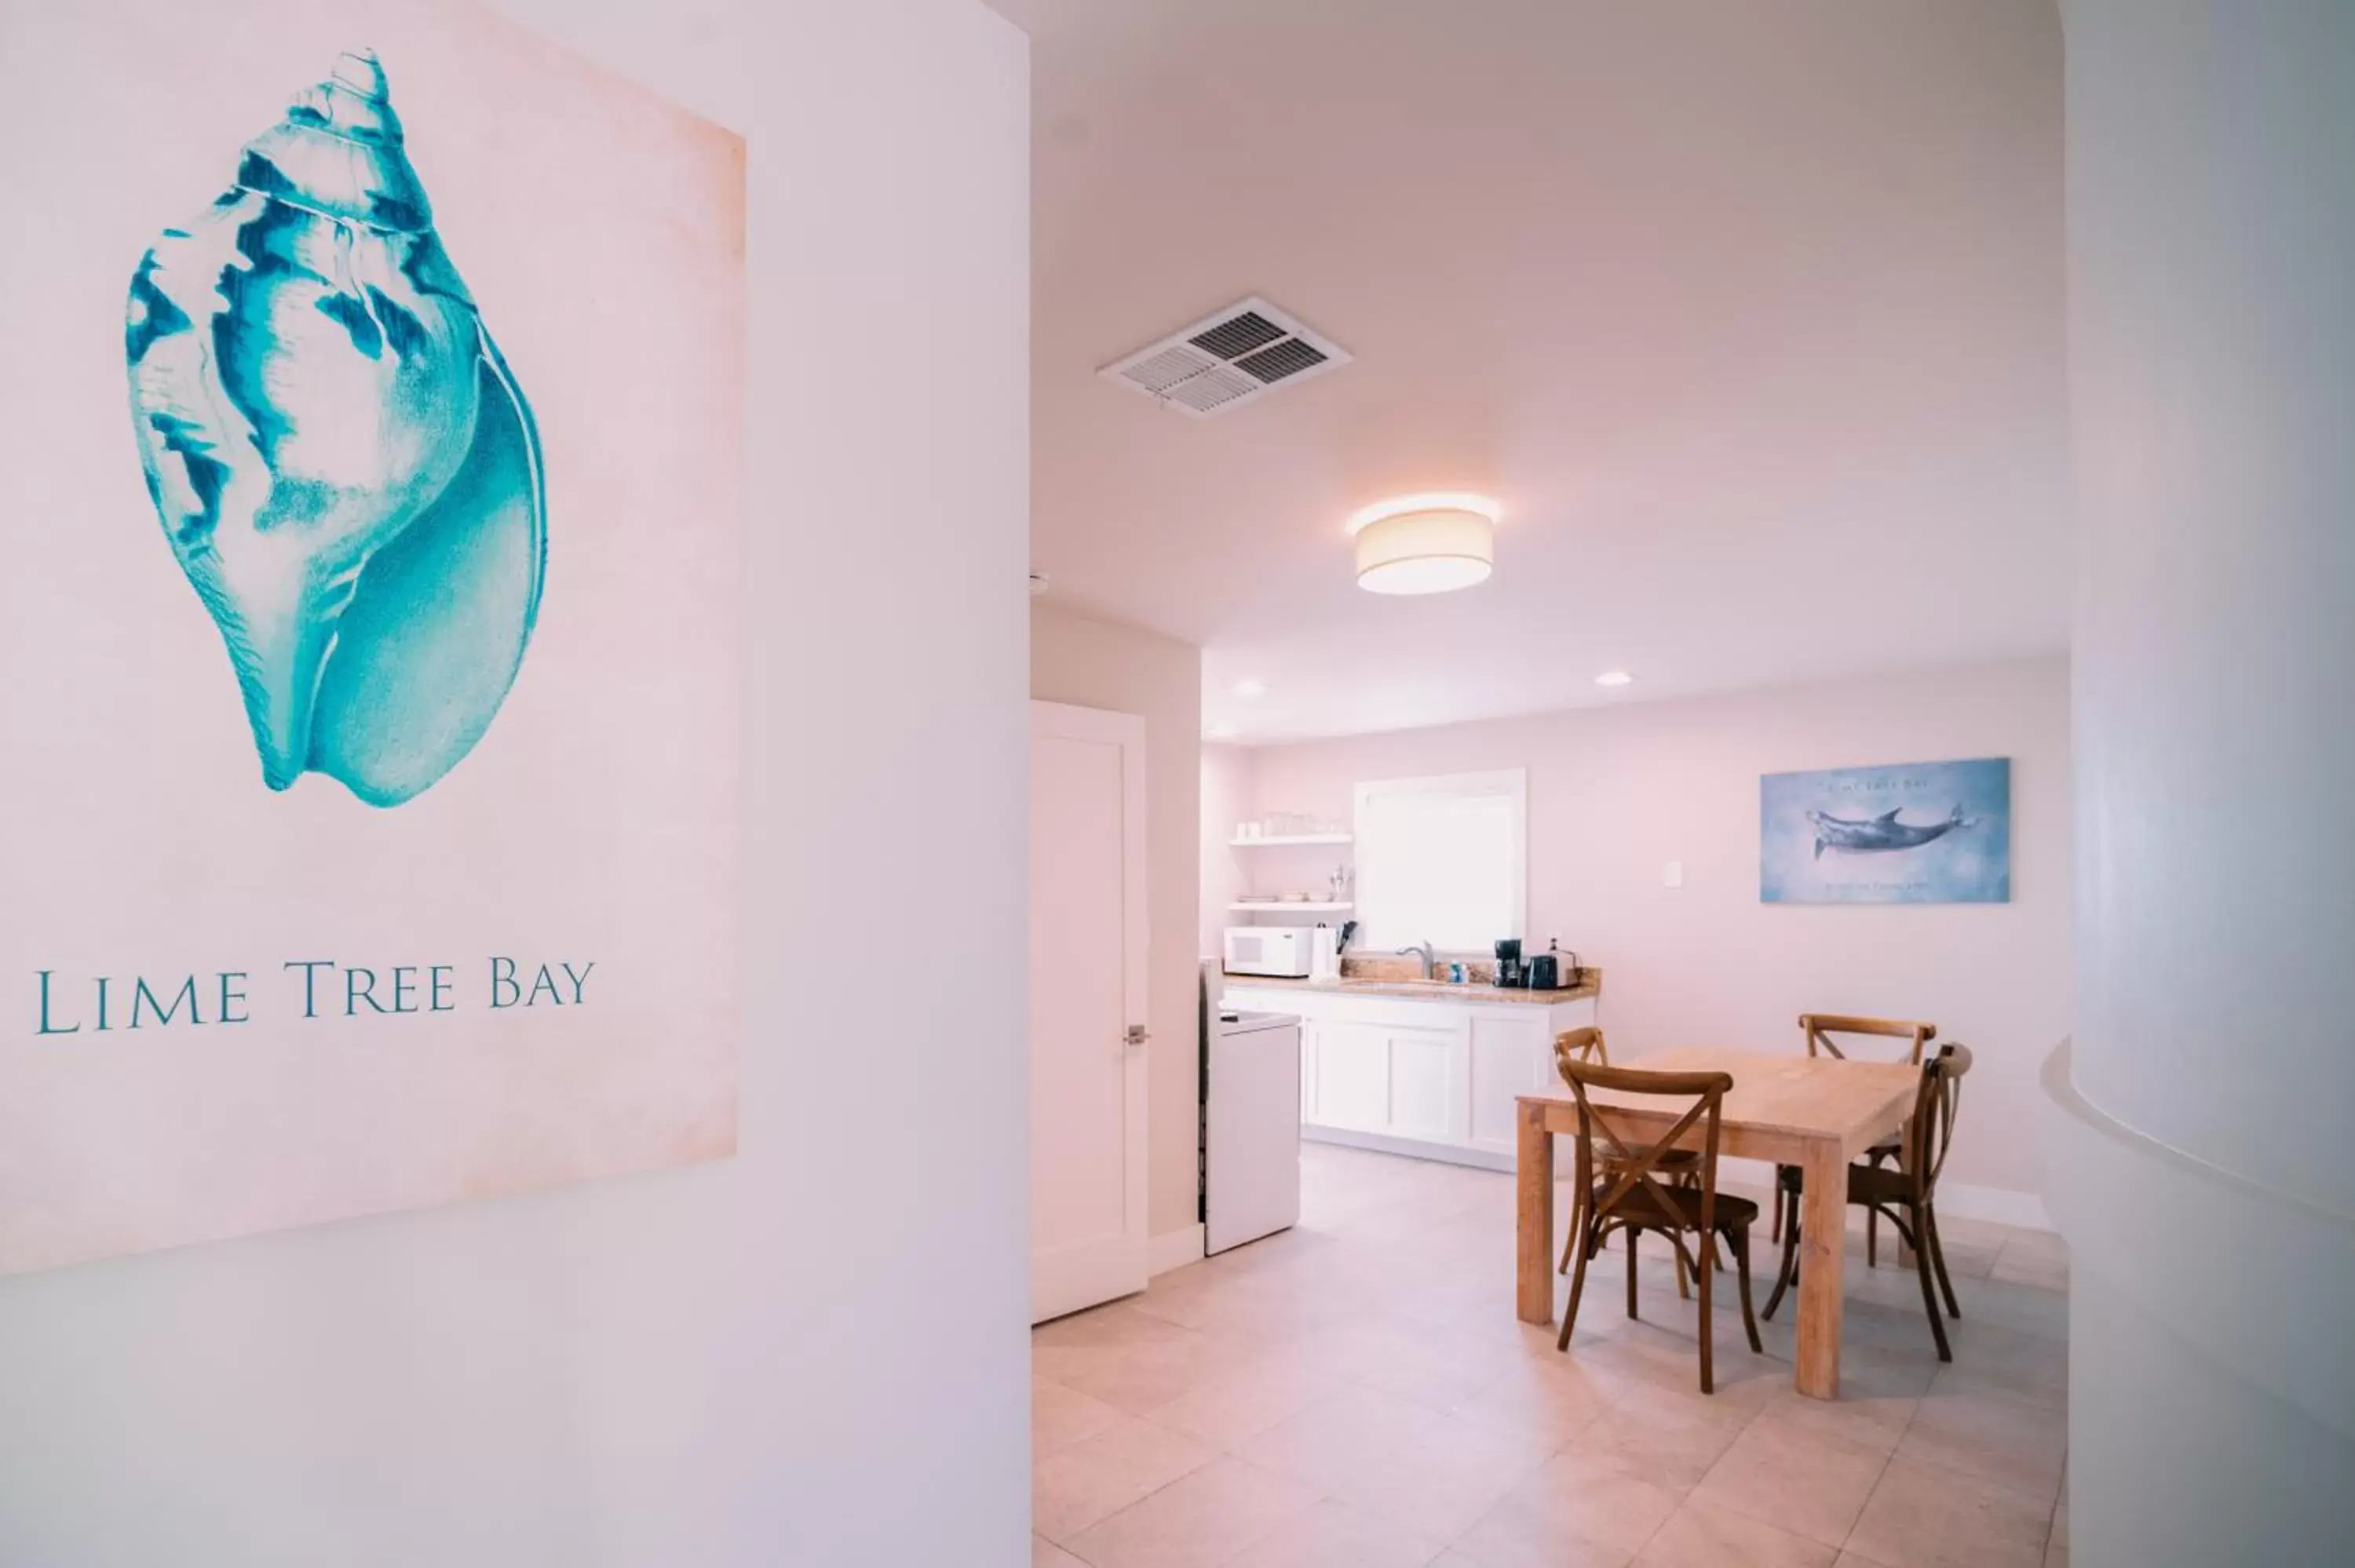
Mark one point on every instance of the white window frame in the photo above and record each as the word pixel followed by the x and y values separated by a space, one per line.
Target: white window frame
pixel 1513 783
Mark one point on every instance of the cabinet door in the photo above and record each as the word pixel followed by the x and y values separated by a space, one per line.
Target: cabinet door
pixel 1511 1057
pixel 1426 1083
pixel 1308 1033
pixel 1353 1076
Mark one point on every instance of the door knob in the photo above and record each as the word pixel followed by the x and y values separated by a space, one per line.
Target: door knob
pixel 1137 1034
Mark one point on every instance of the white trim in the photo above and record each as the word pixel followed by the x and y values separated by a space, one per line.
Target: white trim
pixel 2024 1210
pixel 1412 1148
pixel 1957 1199
pixel 1173 1249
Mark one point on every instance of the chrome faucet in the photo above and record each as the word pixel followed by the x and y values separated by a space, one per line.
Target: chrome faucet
pixel 1427 953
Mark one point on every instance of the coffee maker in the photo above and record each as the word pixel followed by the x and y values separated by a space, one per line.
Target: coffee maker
pixel 1511 973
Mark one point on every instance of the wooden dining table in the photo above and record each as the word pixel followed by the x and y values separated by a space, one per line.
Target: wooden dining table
pixel 1816 1112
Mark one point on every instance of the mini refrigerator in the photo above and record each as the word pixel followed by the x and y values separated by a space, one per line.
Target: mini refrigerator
pixel 1251 1125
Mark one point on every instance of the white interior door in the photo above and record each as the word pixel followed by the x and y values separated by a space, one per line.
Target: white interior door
pixel 1087 1008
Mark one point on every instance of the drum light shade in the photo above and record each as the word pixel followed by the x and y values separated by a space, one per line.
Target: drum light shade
pixel 1425 544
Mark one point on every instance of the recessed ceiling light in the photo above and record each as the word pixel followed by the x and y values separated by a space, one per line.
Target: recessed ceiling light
pixel 1250 687
pixel 1614 678
pixel 1219 732
pixel 1430 542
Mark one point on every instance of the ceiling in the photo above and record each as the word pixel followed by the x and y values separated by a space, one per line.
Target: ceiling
pixel 1750 311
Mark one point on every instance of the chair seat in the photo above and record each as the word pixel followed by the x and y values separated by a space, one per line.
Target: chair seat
pixel 1865 1183
pixel 1640 1205
pixel 1676 1161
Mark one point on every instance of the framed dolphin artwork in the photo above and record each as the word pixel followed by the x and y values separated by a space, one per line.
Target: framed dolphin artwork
pixel 1922 832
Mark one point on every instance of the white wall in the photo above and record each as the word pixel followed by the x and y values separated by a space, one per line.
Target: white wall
pixel 1226 800
pixel 1099 664
pixel 2211 236
pixel 1618 791
pixel 814 1352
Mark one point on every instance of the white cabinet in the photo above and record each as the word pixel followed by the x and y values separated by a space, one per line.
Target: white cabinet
pixel 1511 1055
pixel 1353 1080
pixel 1427 1080
pixel 1435 1077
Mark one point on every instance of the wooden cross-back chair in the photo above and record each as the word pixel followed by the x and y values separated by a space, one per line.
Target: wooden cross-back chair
pixel 1819 1029
pixel 1586 1046
pixel 1906 1195
pixel 1625 1187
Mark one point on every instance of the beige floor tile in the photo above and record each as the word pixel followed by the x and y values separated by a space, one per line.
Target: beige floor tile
pixel 1061 1416
pixel 1432 1473
pixel 1119 1323
pixel 1045 1553
pixel 1662 1350
pixel 1552 1400
pixel 1370 1355
pixel 1097 1477
pixel 2036 1248
pixel 1922 1517
pixel 1235 1406
pixel 1418 1361
pixel 1700 1536
pixel 1666 1435
pixel 1142 1375
pixel 1199 1519
pixel 2032 1306
pixel 2017 1443
pixel 1575 1513
pixel 2009 1360
pixel 1794 1477
pixel 2044 1276
pixel 1334 1535
pixel 1879 1391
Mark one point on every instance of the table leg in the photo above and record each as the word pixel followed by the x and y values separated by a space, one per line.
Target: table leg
pixel 1534 1166
pixel 1822 1248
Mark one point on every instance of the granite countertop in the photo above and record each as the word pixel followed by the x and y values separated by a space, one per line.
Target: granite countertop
pixel 1590 984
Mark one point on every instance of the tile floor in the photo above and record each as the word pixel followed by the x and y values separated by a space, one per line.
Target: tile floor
pixel 1356 1393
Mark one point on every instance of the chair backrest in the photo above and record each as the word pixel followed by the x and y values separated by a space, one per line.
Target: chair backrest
pixel 1583 1045
pixel 1936 1106
pixel 1821 1026
pixel 1635 1156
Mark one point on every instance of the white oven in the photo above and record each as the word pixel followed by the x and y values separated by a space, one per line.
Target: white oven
pixel 1278 950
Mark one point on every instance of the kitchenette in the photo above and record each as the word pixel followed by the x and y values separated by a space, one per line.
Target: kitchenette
pixel 1426 1067
pixel 1422 1048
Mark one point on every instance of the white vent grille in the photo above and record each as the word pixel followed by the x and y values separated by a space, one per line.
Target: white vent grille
pixel 1226 360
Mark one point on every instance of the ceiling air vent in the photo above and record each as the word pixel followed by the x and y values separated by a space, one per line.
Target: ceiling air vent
pixel 1226 360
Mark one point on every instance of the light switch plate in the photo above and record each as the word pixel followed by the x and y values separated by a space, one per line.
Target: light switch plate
pixel 1672 875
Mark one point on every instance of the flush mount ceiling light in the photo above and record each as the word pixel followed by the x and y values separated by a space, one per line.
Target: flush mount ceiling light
pixel 1250 687
pixel 1614 678
pixel 1425 544
pixel 1219 732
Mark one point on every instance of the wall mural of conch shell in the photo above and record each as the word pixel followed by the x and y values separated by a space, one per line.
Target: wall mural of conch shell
pixel 341 459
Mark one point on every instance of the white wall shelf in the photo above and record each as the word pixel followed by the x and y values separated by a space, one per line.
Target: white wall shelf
pixel 1292 838
pixel 1287 906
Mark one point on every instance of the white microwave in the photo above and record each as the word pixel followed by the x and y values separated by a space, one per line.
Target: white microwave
pixel 1278 950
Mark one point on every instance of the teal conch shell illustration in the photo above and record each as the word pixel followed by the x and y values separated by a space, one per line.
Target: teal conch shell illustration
pixel 341 459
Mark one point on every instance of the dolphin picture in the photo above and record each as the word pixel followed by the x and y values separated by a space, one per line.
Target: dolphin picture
pixel 1882 832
